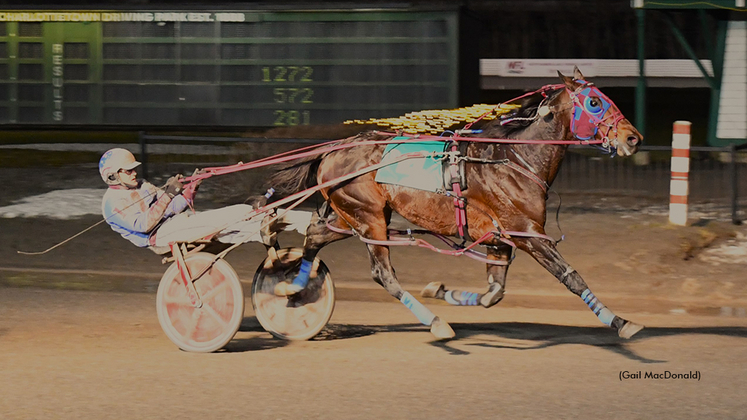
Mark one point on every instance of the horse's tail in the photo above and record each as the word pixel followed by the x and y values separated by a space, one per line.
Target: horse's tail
pixel 301 174
pixel 297 176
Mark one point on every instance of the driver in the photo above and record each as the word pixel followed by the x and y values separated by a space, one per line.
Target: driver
pixel 153 217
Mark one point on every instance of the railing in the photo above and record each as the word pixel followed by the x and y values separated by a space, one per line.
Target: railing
pixel 714 171
pixel 714 174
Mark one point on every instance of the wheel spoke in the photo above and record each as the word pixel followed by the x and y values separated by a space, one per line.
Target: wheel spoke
pixel 191 329
pixel 311 309
pixel 177 300
pixel 209 309
pixel 212 292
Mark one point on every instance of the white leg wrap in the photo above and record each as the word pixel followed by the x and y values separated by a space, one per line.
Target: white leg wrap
pixel 424 315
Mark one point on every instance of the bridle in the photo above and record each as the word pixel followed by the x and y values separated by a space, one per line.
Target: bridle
pixel 590 108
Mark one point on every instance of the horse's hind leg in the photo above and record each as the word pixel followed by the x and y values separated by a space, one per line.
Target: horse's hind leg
pixel 318 235
pixel 496 283
pixel 548 256
pixel 372 224
pixel 383 273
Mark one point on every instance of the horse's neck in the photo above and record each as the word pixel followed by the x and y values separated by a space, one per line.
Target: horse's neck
pixel 542 159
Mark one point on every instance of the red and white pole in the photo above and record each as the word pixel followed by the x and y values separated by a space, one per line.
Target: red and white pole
pixel 678 186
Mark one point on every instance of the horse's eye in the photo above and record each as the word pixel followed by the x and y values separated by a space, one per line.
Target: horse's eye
pixel 592 105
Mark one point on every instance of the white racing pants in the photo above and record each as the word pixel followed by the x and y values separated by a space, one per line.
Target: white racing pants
pixel 228 224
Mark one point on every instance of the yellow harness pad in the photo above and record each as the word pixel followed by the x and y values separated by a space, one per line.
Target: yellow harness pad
pixel 436 121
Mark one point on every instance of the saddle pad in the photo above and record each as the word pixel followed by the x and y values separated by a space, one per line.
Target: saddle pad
pixel 421 173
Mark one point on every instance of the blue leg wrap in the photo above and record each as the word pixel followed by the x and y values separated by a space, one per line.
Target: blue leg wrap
pixel 424 315
pixel 464 299
pixel 601 311
pixel 302 279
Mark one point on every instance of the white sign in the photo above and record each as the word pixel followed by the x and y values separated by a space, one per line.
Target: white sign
pixel 538 67
pixel 513 67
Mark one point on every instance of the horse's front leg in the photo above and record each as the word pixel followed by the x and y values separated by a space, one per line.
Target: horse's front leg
pixel 496 283
pixel 548 256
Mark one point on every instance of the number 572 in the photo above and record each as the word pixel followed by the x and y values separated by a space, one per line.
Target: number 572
pixel 293 95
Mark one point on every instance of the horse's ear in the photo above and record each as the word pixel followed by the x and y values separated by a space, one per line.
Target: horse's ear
pixel 569 83
pixel 577 74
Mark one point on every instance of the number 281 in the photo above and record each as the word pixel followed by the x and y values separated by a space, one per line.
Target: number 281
pixel 286 118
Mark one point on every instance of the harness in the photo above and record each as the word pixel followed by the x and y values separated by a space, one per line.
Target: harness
pixel 585 125
pixel 590 106
pixel 458 182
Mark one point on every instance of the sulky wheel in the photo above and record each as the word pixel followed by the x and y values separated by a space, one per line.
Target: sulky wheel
pixel 300 316
pixel 211 326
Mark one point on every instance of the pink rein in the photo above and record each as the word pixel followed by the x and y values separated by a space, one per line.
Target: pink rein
pixel 332 146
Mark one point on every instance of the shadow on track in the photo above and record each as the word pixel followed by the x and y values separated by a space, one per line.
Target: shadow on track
pixel 330 332
pixel 240 345
pixel 533 336
pixel 509 335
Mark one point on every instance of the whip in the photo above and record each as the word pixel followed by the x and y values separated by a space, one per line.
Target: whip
pixel 79 233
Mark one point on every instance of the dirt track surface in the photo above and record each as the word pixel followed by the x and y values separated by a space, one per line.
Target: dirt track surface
pixel 102 355
pixel 641 259
pixel 80 339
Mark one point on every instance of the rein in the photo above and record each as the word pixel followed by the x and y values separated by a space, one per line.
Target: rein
pixel 331 146
pixel 334 145
pixel 580 109
pixel 459 203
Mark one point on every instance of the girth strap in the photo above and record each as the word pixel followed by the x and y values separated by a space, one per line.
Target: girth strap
pixel 460 203
pixel 461 177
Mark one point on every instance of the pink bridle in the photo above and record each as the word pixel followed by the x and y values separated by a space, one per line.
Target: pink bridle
pixel 585 118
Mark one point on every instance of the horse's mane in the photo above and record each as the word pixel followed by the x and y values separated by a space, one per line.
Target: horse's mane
pixel 438 121
pixel 503 121
pixel 519 119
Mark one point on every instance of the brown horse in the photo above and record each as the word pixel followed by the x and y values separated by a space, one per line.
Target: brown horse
pixel 506 187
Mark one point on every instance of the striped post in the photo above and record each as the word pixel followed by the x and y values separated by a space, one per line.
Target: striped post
pixel 678 186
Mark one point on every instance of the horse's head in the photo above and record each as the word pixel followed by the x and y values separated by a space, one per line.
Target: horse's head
pixel 595 117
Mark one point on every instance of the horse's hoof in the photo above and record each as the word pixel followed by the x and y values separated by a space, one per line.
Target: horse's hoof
pixel 287 289
pixel 432 290
pixel 493 296
pixel 629 329
pixel 441 329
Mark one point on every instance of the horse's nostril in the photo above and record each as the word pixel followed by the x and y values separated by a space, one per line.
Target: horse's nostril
pixel 633 140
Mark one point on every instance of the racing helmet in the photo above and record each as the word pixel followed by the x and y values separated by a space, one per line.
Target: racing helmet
pixel 113 161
